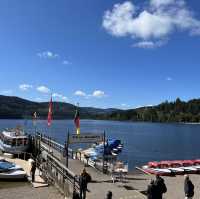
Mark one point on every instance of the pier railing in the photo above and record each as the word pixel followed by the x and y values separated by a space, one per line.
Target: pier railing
pixel 55 145
pixel 62 149
pixel 53 166
pixel 61 176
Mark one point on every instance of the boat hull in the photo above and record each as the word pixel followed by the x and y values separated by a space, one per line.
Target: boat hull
pixel 13 175
pixel 13 150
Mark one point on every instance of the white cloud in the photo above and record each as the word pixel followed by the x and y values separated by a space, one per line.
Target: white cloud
pixel 66 62
pixel 80 93
pixel 143 106
pixel 64 98
pixel 158 3
pixel 48 55
pixel 43 89
pixel 95 94
pixel 25 87
pixel 38 99
pixel 149 44
pixel 7 92
pixel 125 105
pixel 98 94
pixel 56 95
pixel 60 97
pixel 150 24
pixel 149 105
pixel 169 79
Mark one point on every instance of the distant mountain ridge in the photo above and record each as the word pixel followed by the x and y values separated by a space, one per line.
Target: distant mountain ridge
pixel 177 111
pixel 17 108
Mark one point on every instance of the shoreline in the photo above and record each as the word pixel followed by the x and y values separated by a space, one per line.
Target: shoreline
pixel 108 120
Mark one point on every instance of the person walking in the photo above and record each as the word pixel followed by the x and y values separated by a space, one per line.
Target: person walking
pixel 188 187
pixel 33 169
pixel 160 187
pixel 151 190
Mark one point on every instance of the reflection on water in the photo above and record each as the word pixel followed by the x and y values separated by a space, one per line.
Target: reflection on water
pixel 143 142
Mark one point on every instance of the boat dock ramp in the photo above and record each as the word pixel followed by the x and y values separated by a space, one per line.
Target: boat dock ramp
pixel 61 170
pixel 55 167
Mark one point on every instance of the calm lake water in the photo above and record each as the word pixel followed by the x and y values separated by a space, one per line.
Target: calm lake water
pixel 143 142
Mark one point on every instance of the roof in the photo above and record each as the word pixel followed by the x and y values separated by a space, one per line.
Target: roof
pixel 14 134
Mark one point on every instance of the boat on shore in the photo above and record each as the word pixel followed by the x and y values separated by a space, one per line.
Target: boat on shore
pixel 11 171
pixel 112 148
pixel 13 141
pixel 172 167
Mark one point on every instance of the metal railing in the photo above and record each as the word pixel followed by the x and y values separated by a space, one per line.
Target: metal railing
pixel 53 169
pixel 55 145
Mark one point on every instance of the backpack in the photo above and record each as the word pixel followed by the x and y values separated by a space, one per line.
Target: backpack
pixel 164 188
pixel 191 188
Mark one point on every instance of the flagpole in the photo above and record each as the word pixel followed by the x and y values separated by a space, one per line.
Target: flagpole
pixel 67 150
pixel 49 121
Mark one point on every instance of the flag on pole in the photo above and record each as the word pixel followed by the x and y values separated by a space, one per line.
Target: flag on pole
pixel 77 122
pixel 49 119
pixel 34 118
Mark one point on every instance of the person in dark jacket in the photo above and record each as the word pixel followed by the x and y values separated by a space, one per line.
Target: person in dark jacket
pixel 160 187
pixel 33 169
pixel 151 190
pixel 188 188
pixel 109 195
pixel 83 186
pixel 85 178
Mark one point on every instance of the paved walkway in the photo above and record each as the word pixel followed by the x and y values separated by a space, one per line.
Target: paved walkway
pixel 101 183
pixel 24 190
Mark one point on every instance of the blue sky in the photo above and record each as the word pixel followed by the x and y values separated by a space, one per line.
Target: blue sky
pixel 120 54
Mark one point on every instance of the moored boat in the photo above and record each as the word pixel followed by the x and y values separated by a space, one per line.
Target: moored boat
pixel 13 175
pixel 13 141
pixel 176 167
pixel 11 171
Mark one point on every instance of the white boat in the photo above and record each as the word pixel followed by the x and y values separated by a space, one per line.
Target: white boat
pixel 197 167
pixel 13 141
pixel 156 171
pixel 13 175
pixel 190 169
pixel 11 171
pixel 176 170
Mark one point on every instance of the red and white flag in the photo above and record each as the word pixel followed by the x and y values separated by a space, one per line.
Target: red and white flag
pixel 49 119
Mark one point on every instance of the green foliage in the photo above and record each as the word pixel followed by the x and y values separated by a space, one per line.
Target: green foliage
pixel 177 111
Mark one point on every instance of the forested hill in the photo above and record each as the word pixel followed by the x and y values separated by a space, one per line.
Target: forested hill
pixel 177 111
pixel 17 108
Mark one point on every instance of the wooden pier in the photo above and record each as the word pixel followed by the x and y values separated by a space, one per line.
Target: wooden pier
pixel 64 172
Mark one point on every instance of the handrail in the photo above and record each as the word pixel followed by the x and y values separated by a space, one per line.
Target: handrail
pixel 59 147
pixel 64 171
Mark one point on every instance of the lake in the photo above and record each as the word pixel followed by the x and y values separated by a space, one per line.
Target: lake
pixel 143 142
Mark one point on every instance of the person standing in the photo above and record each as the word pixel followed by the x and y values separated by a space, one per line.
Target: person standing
pixel 84 179
pixel 188 187
pixel 83 186
pixel 33 169
pixel 151 190
pixel 160 187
